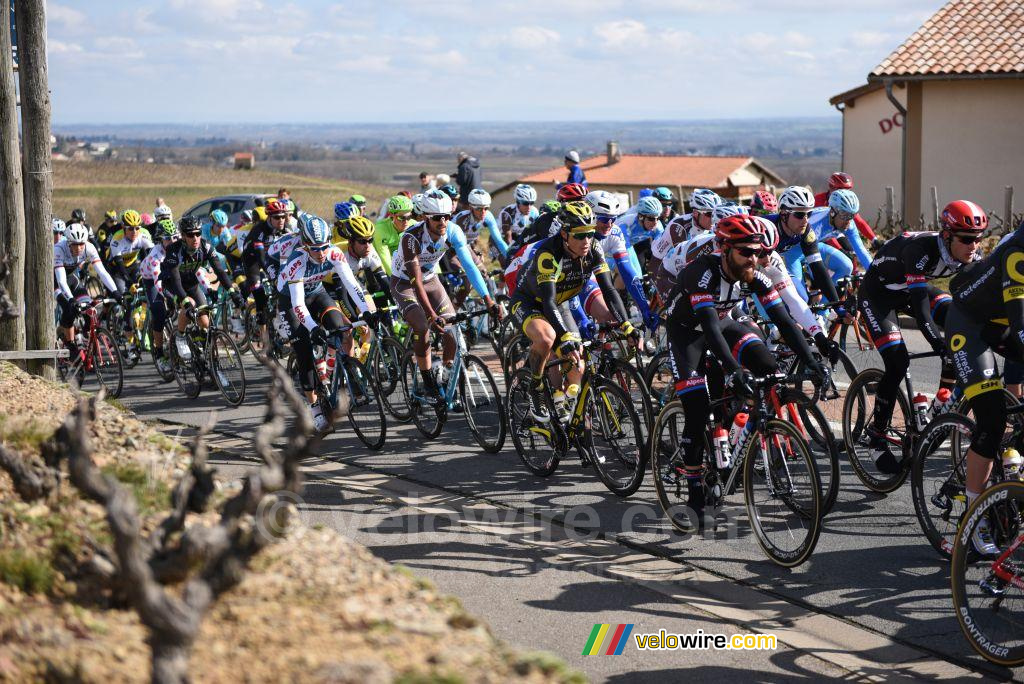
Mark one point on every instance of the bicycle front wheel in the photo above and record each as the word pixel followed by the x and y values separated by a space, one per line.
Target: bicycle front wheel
pixel 106 363
pixel 540 445
pixel 365 411
pixel 482 404
pixel 386 368
pixel 988 595
pixel 937 479
pixel 782 493
pixel 429 420
pixel 813 426
pixel 858 409
pixel 665 451
pixel 615 437
pixel 226 367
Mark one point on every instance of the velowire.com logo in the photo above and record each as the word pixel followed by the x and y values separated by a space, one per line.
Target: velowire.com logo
pixel 615 635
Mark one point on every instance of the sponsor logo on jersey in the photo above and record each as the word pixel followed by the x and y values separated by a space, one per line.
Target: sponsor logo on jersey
pixel 705 279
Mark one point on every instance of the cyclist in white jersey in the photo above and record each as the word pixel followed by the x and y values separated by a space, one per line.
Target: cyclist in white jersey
pixel 518 216
pixel 72 256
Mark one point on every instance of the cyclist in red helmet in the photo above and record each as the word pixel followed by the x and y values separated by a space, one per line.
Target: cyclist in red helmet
pixel 571 192
pixel 844 181
pixel 763 203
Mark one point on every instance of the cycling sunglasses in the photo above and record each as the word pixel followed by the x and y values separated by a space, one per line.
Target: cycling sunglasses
pixel 191 234
pixel 968 239
pixel 439 217
pixel 583 236
pixel 318 248
pixel 800 214
pixel 648 218
pixel 277 216
pixel 361 241
pixel 403 217
pixel 753 251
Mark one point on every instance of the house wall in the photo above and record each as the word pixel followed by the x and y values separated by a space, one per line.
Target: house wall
pixel 872 140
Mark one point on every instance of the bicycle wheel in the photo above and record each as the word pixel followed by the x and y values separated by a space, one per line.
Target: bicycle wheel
pixel 168 375
pixel 365 411
pixel 988 595
pixel 233 323
pixel 429 420
pixel 626 376
pixel 516 352
pixel 386 367
pixel 665 453
pixel 855 341
pixel 843 374
pixel 660 381
pixel 225 361
pixel 614 437
pixel 540 446
pixel 106 363
pixel 253 333
pixel 185 371
pixel 482 404
pixel 858 408
pixel 782 493
pixel 814 427
pixel 937 479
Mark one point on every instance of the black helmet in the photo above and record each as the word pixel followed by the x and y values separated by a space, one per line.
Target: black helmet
pixel 77 216
pixel 189 224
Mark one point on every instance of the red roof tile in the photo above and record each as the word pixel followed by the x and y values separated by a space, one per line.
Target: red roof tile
pixel 652 170
pixel 964 37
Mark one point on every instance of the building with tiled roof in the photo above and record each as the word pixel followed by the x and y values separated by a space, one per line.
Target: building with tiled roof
pixel 942 110
pixel 733 177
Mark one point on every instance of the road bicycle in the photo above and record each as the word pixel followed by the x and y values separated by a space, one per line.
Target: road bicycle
pixel 364 412
pixel 97 354
pixel 212 353
pixel 133 338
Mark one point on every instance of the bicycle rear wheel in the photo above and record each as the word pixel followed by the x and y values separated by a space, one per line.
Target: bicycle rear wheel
pixel 626 376
pixel 226 367
pixel 516 351
pixel 386 367
pixel 482 404
pixel 988 598
pixel 429 420
pixel 540 445
pixel 937 479
pixel 665 453
pixel 615 437
pixel 106 363
pixel 782 493
pixel 365 411
pixel 660 381
pixel 858 409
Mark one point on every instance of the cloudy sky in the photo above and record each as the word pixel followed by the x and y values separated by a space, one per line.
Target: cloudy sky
pixel 187 61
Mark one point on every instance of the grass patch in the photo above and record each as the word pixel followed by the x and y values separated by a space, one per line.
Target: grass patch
pixel 24 432
pixel 116 403
pixel 27 572
pixel 165 443
pixel 151 494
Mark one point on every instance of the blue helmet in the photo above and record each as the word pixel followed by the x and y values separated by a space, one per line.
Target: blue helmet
pixel 644 192
pixel 649 206
pixel 844 201
pixel 345 210
pixel 663 194
pixel 219 217
pixel 314 230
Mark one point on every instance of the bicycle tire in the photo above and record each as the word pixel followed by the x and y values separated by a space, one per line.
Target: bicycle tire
pixel 516 353
pixel 105 355
pixel 856 417
pixel 479 392
pixel 665 456
pixel 1002 505
pixel 843 374
pixel 822 443
pixel 225 361
pixel 856 343
pixel 937 481
pixel 364 403
pixel 625 373
pixel 606 424
pixel 386 368
pixel 429 420
pixel 185 373
pixel 533 442
pixel 804 514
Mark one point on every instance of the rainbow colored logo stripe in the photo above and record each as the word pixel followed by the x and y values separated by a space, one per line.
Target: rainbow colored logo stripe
pixel 619 637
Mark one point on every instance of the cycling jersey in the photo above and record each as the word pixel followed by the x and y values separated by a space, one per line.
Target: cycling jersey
pixel 821 200
pixel 65 263
pixel 797 250
pixel 822 226
pixel 129 251
pixel 150 269
pixel 678 231
pixel 620 254
pixel 702 284
pixel 547 225
pixel 637 234
pixel 302 277
pixel 472 229
pixel 416 243
pixel 279 251
pixel 257 240
pixel 993 289
pixel 235 242
pixel 180 269
pixel 513 223
pixel 385 241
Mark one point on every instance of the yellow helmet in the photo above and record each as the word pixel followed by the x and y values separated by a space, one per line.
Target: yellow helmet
pixel 131 218
pixel 576 216
pixel 259 214
pixel 358 227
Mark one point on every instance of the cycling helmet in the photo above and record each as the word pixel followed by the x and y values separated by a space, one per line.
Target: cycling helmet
pixel 78 216
pixel 147 219
pixel 551 207
pixel 525 194
pixel 399 204
pixel 723 211
pixel 275 206
pixel 663 195
pixel 740 228
pixel 571 192
pixel 840 181
pixel 345 210
pixel 189 225
pixel 259 214
pixel 58 225
pixel 765 202
pixel 479 198
pixel 435 203
pixel 844 201
pixel 111 215
pixel 290 206
pixel 357 200
pixel 649 206
pixel 131 218
pixel 359 227
pixel 219 218
pixel 576 215
pixel 703 199
pixel 76 233
pixel 771 232
pixel 314 230
pixel 246 216
pixel 162 212
pixel 603 203
pixel 450 190
pixel 644 192
pixel 166 230
pixel 417 200
pixel 796 198
pixel 964 217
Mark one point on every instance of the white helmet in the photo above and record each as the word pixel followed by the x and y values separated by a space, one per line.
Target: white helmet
pixel 434 202
pixel 525 194
pixel 703 199
pixel 58 226
pixel 162 212
pixel 796 197
pixel 76 233
pixel 478 198
pixel 603 203
pixel 723 210
pixel 417 199
pixel 771 232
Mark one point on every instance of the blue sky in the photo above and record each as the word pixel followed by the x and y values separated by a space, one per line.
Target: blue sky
pixel 192 61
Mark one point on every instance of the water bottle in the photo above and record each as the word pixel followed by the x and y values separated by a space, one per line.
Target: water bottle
pixel 921 410
pixel 739 435
pixel 941 403
pixel 720 444
pixel 1012 462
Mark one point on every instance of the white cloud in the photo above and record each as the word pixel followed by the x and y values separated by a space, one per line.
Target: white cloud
pixel 63 16
pixel 530 37
pixel 217 10
pixel 60 47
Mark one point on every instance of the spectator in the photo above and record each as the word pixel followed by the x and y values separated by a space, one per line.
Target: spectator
pixel 441 180
pixel 426 182
pixel 283 194
pixel 467 178
pixel 572 163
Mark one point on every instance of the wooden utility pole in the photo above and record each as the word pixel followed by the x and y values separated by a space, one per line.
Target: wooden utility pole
pixel 37 169
pixel 12 201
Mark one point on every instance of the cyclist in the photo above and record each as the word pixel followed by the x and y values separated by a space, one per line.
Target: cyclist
pixel 684 227
pixel 254 254
pixel 128 247
pixel 798 244
pixel 78 216
pixel 986 317
pixel 665 271
pixel 645 228
pixel 667 199
pixel 452 191
pixel 417 289
pixel 475 219
pixel 556 272
pixel 179 274
pixel 165 233
pixel 343 211
pixel 388 231
pixel 546 224
pixel 104 233
pixel 312 313
pixel 836 224
pixel 897 282
pixel 843 181
pixel 163 211
pixel 71 257
pixel 701 316
pixel 517 217
pixel 362 258
pixel 58 227
pixel 763 203
pixel 360 203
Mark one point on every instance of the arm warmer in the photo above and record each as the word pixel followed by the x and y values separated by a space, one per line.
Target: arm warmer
pixel 62 281
pixel 858 247
pixel 297 290
pixel 634 284
pixel 611 295
pixel 472 272
pixel 496 239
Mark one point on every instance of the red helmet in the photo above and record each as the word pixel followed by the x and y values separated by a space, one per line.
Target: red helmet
pixel 840 181
pixel 571 192
pixel 740 228
pixel 962 216
pixel 275 206
pixel 764 201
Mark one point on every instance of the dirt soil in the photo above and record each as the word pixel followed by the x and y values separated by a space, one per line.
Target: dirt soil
pixel 314 607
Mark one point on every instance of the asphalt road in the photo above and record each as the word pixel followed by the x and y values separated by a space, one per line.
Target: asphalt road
pixel 873 579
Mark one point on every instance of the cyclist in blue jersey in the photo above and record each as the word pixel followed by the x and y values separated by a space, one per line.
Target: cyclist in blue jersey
pixel 645 228
pixel 836 222
pixel 798 244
